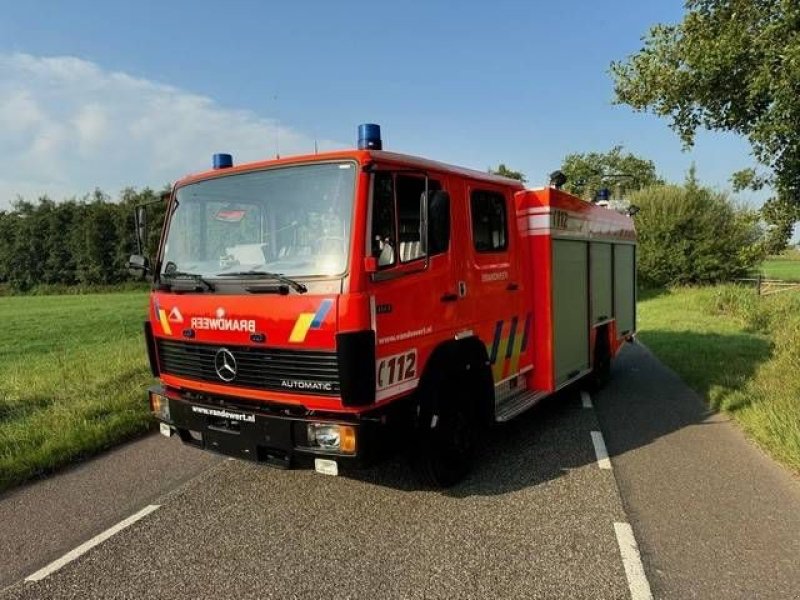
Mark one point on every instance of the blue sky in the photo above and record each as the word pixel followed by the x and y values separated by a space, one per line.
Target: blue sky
pixel 114 94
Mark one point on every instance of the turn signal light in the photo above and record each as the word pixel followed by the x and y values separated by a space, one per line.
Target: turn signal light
pixel 347 439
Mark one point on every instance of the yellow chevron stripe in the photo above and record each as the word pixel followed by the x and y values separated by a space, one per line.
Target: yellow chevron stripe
pixel 516 354
pixel 301 327
pixel 162 316
pixel 497 367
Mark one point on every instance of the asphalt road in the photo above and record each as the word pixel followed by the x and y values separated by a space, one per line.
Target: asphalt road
pixel 712 516
pixel 41 521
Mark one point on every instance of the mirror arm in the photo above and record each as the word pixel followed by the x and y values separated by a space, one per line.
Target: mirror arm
pixel 140 225
pixel 424 238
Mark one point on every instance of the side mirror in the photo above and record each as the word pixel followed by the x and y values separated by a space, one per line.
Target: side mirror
pixel 138 265
pixel 140 219
pixel 438 222
pixel 633 209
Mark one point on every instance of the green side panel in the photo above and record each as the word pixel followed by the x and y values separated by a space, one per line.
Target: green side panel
pixel 570 308
pixel 601 281
pixel 624 288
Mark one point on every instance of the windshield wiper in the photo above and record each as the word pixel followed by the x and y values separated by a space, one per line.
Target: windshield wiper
pixel 182 275
pixel 295 285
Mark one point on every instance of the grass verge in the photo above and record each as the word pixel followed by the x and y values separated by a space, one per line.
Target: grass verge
pixel 45 289
pixel 740 351
pixel 73 372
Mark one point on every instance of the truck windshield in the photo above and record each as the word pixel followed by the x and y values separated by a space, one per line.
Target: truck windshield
pixel 289 220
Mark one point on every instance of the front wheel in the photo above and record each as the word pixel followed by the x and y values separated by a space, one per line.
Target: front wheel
pixel 446 438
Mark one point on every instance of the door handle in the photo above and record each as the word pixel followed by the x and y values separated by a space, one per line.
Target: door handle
pixel 512 287
pixel 449 297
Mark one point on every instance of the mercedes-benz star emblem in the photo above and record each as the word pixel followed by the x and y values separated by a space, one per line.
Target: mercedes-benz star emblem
pixel 225 364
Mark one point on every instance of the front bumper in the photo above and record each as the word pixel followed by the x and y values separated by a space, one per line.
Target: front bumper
pixel 277 440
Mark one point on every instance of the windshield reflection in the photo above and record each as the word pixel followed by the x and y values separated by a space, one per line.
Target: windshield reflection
pixel 294 221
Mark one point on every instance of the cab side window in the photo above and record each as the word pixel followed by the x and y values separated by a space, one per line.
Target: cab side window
pixel 396 218
pixel 410 191
pixel 384 236
pixel 489 221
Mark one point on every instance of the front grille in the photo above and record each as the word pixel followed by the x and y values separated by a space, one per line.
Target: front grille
pixel 296 371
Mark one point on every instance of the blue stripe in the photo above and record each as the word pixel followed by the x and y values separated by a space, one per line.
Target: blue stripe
pixel 321 313
pixel 512 335
pixel 498 329
pixel 525 333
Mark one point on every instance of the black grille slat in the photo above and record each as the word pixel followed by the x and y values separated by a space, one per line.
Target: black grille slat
pixel 258 368
pixel 322 372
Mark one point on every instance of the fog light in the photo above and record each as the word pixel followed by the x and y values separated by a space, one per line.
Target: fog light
pixel 332 437
pixel 159 406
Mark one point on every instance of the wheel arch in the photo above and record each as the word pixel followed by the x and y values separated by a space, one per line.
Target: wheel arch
pixel 467 361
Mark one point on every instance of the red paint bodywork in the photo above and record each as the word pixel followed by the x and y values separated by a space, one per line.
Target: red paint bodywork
pixel 418 319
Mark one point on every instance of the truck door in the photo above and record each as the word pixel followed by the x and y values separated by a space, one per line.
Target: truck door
pixel 414 293
pixel 495 286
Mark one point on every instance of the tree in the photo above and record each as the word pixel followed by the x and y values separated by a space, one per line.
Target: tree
pixel 84 241
pixel 8 233
pixel 55 221
pixel 26 254
pixel 779 215
pixel 689 234
pixel 729 65
pixel 619 172
pixel 504 171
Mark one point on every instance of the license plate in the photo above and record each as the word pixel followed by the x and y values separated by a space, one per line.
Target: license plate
pixel 229 445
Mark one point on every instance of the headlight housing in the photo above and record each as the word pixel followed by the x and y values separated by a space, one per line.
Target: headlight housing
pixel 159 406
pixel 332 437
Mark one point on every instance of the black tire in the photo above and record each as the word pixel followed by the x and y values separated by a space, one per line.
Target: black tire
pixel 601 367
pixel 447 434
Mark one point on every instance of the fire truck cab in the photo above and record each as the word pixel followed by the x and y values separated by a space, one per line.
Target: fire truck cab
pixel 324 309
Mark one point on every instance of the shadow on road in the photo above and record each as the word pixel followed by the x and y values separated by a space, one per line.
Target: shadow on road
pixel 536 447
pixel 643 402
pixel 715 365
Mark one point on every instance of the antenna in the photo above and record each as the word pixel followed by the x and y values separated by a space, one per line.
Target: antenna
pixel 277 129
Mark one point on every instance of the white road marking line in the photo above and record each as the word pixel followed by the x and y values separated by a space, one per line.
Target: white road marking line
pixel 632 561
pixel 586 399
pixel 86 546
pixel 600 450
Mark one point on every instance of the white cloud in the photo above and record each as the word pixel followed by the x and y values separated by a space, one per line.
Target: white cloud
pixel 68 126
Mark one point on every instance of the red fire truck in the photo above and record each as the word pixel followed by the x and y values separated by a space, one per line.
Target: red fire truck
pixel 323 309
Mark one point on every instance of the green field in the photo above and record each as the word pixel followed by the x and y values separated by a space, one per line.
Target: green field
pixel 73 373
pixel 782 267
pixel 741 352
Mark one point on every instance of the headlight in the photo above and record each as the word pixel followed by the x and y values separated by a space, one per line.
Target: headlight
pixel 159 406
pixel 332 437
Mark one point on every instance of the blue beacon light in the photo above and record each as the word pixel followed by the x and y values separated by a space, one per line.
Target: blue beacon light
pixel 222 161
pixel 369 137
